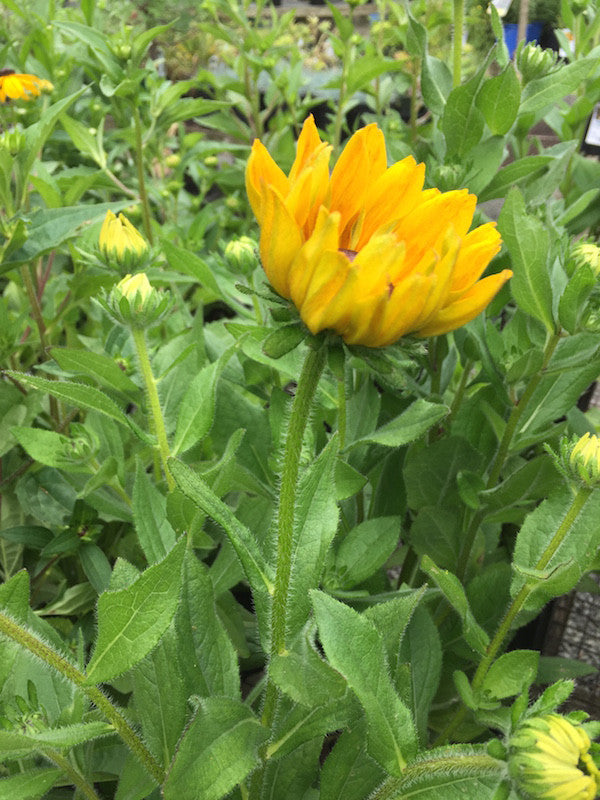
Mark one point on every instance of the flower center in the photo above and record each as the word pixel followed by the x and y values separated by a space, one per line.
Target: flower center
pixel 350 254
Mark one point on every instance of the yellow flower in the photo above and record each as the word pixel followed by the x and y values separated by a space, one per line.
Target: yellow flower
pixel 584 459
pixel 135 287
pixel 366 251
pixel 134 302
pixel 550 759
pixel 17 86
pixel 120 241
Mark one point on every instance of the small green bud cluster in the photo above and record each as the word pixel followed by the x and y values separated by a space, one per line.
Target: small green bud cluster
pixel 533 61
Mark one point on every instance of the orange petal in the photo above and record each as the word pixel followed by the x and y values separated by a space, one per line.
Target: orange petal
pixel 393 195
pixel 309 190
pixel 404 306
pixel 362 161
pixel 323 239
pixel 280 241
pixel 467 307
pixel 377 265
pixel 308 141
pixel 262 171
pixel 477 250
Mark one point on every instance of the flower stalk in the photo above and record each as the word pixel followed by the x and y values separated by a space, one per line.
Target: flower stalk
pixel 158 422
pixel 139 161
pixel 457 37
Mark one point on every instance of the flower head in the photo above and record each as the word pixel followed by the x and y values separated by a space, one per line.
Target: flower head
pixel 18 86
pixel 585 253
pixel 120 242
pixel 366 251
pixel 550 759
pixel 584 459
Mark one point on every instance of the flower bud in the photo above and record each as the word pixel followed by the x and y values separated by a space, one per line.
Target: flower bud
pixel 534 62
pixel 135 303
pixel 584 460
pixel 13 141
pixel 584 253
pixel 121 245
pixel 549 758
pixel 241 254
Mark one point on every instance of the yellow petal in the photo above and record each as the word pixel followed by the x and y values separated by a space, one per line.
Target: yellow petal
pixel 403 307
pixel 308 142
pixel 262 171
pixel 477 250
pixel 362 161
pixel 323 239
pixel 377 265
pixel 280 241
pixel 467 307
pixel 328 278
pixel 426 225
pixel 442 279
pixel 392 197
pixel 310 189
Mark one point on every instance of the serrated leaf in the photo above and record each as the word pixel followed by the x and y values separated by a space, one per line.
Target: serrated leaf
pixel 29 785
pixel 218 750
pixel 131 621
pixel 416 420
pixel 543 92
pixel 354 647
pixel 95 365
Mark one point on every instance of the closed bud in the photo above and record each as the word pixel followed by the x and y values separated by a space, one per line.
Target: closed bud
pixel 136 303
pixel 534 62
pixel 241 254
pixel 121 244
pixel 584 460
pixel 549 758
pixel 13 141
pixel 584 253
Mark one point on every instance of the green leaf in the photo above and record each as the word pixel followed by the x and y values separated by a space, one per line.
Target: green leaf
pixel 259 573
pixel 197 408
pixel 365 549
pixel 49 228
pixel 348 772
pixel 422 649
pixel 416 420
pixel 131 621
pixel 499 99
pixel 48 447
pixel 355 649
pixel 294 775
pixel 528 242
pixel 315 525
pixel 189 263
pixel 101 368
pixel 283 340
pixel 208 661
pixel 435 532
pixel 30 785
pixel 511 674
pixel 15 745
pixel 436 83
pixel 557 668
pixel 306 678
pixel 543 92
pixel 84 141
pixel 454 593
pixel 572 304
pixel 81 396
pixel 218 750
pixel 462 122
pixel 95 565
pixel 149 506
pixel 571 559
pixel 519 173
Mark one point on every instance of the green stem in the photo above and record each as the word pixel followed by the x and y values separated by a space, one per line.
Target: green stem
pixel 72 774
pixel 518 603
pixel 414 98
pixel 139 161
pixel 455 767
pixel 502 452
pixel 457 37
pixel 460 391
pixel 68 670
pixel 154 403
pixel 339 114
pixel 342 413
pixel 307 386
pixel 305 392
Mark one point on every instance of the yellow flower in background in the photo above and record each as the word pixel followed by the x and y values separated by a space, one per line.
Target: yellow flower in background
pixel 366 251
pixel 120 241
pixel 18 86
pixel 550 759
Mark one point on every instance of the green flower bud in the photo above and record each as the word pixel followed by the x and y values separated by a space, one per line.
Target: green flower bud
pixel 135 303
pixel 13 141
pixel 584 253
pixel 121 244
pixel 549 758
pixel 241 254
pixel 584 460
pixel 533 61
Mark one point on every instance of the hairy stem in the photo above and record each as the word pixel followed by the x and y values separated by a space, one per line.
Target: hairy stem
pixel 139 161
pixel 457 37
pixel 72 774
pixel 49 656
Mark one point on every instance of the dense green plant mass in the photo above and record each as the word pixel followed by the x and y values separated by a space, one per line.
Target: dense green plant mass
pixel 241 560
